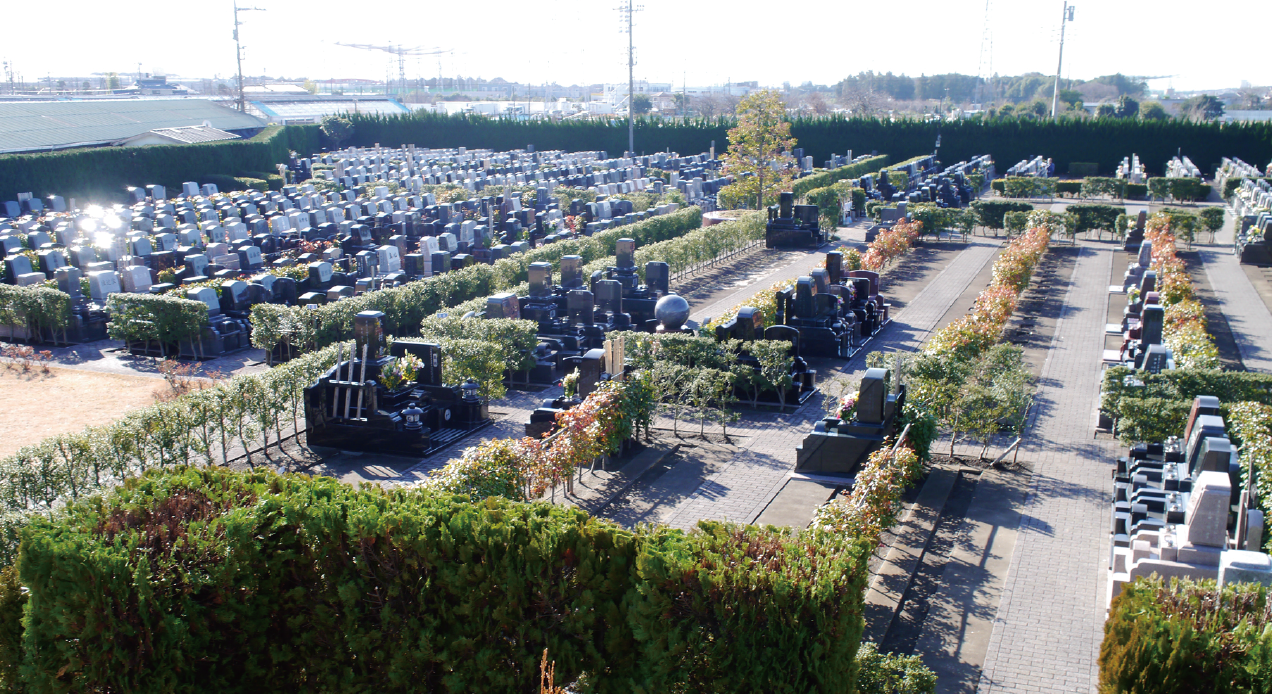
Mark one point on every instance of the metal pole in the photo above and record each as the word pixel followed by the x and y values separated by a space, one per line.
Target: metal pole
pixel 631 83
pixel 238 56
pixel 1055 93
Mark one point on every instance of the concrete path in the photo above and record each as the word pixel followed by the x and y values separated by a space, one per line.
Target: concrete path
pixel 741 490
pixel 1247 314
pixel 1049 623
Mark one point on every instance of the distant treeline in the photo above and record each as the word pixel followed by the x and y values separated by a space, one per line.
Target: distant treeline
pixel 960 89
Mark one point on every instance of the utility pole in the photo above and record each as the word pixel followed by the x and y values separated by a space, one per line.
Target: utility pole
pixel 1065 17
pixel 627 8
pixel 238 51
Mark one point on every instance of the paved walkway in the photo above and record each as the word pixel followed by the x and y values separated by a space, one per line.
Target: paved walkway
pixel 1247 315
pixel 1046 636
pixel 741 490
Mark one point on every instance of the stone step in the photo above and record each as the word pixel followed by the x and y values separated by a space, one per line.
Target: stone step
pixel 887 589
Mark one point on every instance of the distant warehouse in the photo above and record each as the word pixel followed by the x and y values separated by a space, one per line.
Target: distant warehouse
pixel 42 126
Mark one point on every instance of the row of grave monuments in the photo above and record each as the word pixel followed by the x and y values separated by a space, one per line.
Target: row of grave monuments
pixel 950 187
pixel 1131 170
pixel 1038 167
pixel 246 239
pixel 350 408
pixel 1143 319
pixel 1236 168
pixel 696 176
pixel 1182 168
pixel 1181 509
pixel 1252 204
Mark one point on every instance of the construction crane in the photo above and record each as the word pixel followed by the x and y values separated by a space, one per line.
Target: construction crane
pixel 402 52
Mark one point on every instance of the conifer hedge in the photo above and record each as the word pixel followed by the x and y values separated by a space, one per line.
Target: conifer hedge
pixel 1103 141
pixel 1186 636
pixel 210 580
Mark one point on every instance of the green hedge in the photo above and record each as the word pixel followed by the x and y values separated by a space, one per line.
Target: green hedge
pixel 823 179
pixel 1069 188
pixel 36 307
pixel 1093 217
pixel 1186 636
pixel 1136 191
pixel 1184 384
pixel 210 580
pixel 1179 189
pixel 103 173
pixel 990 213
pixel 145 317
pixel 1103 141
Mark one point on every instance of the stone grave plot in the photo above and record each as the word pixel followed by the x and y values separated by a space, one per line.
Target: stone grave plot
pixel 830 313
pixel 1143 319
pixel 793 226
pixel 840 445
pixel 950 187
pixel 390 401
pixel 1181 509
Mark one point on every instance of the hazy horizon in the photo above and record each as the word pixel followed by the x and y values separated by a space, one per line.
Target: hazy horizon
pixel 700 43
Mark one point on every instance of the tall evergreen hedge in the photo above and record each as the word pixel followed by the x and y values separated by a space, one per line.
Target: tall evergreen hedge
pixel 1101 141
pixel 209 580
pixel 102 173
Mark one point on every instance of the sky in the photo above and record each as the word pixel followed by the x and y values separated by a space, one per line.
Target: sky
pixel 701 43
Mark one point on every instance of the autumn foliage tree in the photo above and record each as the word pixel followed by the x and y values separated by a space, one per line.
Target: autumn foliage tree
pixel 761 140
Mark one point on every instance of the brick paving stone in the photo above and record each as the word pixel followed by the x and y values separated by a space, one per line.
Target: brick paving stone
pixel 742 489
pixel 1247 315
pixel 1049 624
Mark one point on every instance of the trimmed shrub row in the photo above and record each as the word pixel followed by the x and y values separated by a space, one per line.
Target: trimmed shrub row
pixel 822 179
pixel 206 426
pixel 210 580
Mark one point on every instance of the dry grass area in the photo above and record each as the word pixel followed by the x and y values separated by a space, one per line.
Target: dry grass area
pixel 39 404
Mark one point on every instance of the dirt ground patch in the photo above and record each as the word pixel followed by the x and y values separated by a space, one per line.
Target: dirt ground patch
pixel 39 405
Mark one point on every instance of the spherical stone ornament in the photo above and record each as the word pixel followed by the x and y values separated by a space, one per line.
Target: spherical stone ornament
pixel 672 311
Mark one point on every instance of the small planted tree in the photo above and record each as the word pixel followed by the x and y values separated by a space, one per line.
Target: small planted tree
pixel 759 148
pixel 1211 220
pixel 775 365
